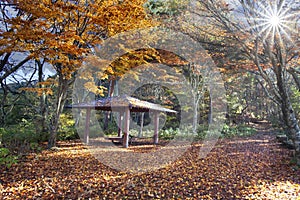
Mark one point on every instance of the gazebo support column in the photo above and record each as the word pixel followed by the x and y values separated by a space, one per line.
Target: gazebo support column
pixel 126 127
pixel 87 126
pixel 156 125
pixel 120 124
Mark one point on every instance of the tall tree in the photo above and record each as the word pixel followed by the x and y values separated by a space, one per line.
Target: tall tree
pixel 265 33
pixel 63 32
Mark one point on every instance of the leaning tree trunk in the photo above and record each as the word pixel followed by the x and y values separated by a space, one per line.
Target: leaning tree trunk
pixel 62 89
pixel 288 113
pixel 291 123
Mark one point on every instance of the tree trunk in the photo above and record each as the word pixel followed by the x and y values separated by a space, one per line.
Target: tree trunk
pixel 210 110
pixel 2 106
pixel 291 123
pixel 293 129
pixel 53 132
pixel 42 126
pixel 110 94
pixel 195 113
pixel 288 113
pixel 62 89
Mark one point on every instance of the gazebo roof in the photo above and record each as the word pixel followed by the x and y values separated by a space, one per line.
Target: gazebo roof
pixel 118 103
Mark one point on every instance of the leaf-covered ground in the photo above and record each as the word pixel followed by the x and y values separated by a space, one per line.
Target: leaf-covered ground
pixel 256 167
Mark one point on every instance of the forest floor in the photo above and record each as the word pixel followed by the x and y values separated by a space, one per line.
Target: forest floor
pixel 255 167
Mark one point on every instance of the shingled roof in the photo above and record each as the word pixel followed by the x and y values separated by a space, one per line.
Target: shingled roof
pixel 117 103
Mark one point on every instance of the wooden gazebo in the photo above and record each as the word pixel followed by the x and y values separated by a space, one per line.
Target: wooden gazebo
pixel 124 105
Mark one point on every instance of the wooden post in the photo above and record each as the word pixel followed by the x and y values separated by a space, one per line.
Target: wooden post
pixel 156 126
pixel 87 126
pixel 120 129
pixel 126 128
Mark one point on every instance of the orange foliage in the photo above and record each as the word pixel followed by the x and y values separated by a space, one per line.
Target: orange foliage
pixel 62 32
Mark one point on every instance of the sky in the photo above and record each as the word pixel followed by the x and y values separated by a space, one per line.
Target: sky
pixel 26 72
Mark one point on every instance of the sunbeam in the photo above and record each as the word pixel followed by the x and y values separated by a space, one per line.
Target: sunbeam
pixel 271 20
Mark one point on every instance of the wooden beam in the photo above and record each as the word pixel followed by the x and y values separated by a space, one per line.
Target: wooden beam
pixel 156 126
pixel 126 127
pixel 87 126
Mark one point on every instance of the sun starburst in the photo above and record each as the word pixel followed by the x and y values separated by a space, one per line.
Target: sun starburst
pixel 275 21
pixel 271 20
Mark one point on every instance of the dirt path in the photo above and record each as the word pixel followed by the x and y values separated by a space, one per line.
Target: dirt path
pixel 256 167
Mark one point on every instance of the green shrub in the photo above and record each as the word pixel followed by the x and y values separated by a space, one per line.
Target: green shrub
pixel 6 159
pixel 201 132
pixel 18 138
pixel 168 134
pixel 244 130
pixel 68 133
pixel 67 130
pixel 229 131
pixel 239 130
pixel 112 128
pixel 35 147
pixel 183 133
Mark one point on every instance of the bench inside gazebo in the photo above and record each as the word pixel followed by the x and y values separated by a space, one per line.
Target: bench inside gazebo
pixel 124 105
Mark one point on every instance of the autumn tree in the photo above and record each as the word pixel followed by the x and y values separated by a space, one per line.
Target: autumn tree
pixel 255 36
pixel 63 32
pixel 266 34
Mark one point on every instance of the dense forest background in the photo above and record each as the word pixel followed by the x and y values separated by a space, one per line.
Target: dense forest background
pixel 43 44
